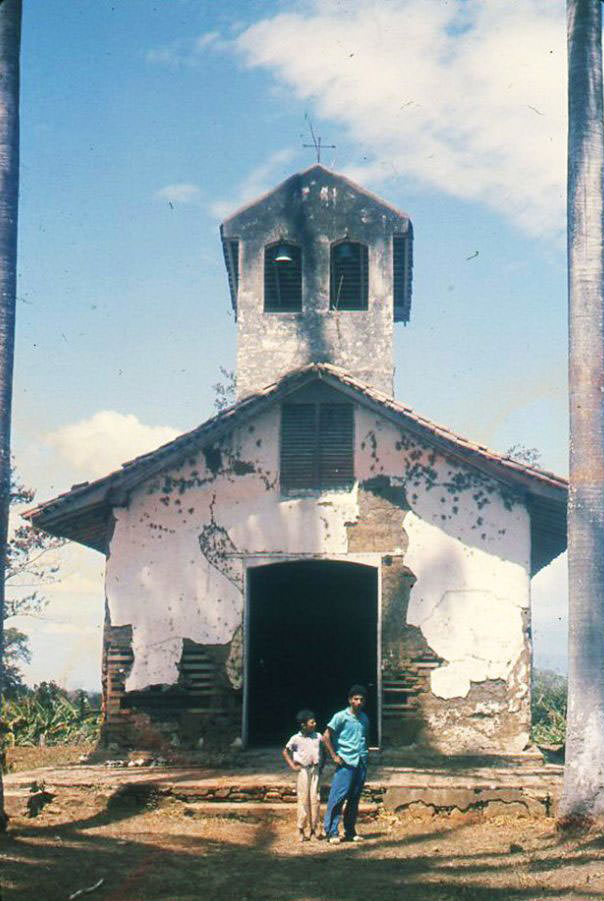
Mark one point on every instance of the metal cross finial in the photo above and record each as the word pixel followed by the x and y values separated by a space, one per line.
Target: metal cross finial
pixel 316 142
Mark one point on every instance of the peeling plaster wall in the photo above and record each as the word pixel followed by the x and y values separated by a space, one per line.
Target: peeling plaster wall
pixel 468 548
pixel 176 567
pixel 468 604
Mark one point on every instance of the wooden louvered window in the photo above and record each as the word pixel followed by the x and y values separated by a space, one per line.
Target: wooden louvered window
pixel 317 448
pixel 231 250
pixel 282 278
pixel 349 284
pixel 399 269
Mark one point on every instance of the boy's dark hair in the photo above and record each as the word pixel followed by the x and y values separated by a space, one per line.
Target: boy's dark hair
pixel 303 716
pixel 357 690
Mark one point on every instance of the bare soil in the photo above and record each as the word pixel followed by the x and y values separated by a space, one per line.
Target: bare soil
pixel 146 848
pixel 30 758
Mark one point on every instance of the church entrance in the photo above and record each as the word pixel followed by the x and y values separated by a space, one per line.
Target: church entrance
pixel 312 633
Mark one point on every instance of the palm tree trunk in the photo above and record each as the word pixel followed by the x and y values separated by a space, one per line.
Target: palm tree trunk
pixel 583 794
pixel 10 43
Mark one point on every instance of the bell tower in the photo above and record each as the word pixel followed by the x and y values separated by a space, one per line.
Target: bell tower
pixel 319 271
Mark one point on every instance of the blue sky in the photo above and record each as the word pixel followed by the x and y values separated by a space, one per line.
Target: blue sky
pixel 144 123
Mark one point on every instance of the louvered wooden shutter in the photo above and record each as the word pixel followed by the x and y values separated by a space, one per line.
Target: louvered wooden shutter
pixel 316 446
pixel 335 445
pixel 299 446
pixel 282 281
pixel 399 265
pixel 233 246
pixel 349 283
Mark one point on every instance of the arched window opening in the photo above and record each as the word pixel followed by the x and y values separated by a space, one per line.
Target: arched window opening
pixel 282 278
pixel 349 285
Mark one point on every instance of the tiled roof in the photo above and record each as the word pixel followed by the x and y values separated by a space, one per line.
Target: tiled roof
pixel 82 512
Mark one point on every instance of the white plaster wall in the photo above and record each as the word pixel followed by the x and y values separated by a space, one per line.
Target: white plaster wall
pixel 467 604
pixel 159 580
pixel 470 557
pixel 313 210
pixel 269 345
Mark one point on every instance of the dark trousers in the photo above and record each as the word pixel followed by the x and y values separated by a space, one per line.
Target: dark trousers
pixel 346 787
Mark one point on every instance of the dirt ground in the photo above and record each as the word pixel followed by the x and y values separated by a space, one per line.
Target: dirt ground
pixel 146 848
pixel 30 758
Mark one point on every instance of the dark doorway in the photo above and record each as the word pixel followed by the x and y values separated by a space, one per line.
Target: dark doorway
pixel 312 634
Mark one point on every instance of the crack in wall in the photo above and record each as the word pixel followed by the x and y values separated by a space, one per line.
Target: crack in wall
pixel 217 547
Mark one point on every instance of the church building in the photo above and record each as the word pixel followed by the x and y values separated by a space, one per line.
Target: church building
pixel 318 532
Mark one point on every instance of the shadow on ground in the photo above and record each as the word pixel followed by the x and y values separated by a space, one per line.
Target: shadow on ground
pixel 145 852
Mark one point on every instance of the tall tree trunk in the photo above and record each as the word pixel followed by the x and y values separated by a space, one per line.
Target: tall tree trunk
pixel 583 793
pixel 10 43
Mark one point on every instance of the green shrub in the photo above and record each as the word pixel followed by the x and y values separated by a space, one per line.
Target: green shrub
pixel 49 714
pixel 548 708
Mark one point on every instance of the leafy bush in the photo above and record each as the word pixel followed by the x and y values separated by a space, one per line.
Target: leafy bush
pixel 51 715
pixel 549 708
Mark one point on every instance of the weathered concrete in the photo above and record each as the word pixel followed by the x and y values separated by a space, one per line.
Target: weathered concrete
pixel 487 791
pixel 313 210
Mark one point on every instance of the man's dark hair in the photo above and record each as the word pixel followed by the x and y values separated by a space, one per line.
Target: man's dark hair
pixel 303 716
pixel 357 690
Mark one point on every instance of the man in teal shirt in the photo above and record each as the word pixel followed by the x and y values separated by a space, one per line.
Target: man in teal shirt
pixel 346 741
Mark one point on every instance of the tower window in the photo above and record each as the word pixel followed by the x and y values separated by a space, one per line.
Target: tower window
pixel 317 446
pixel 401 264
pixel 348 276
pixel 282 278
pixel 231 253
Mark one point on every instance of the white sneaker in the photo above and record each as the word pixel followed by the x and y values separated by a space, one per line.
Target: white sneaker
pixel 355 838
pixel 335 840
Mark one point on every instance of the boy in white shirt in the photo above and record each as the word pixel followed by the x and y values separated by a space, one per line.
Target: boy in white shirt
pixel 304 754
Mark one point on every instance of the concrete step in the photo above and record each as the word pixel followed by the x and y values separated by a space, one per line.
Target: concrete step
pixel 255 809
pixel 525 791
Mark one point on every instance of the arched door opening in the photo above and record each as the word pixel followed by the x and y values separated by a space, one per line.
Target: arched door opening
pixel 312 633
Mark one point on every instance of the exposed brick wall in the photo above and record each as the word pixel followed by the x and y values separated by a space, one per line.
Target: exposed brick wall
pixel 202 705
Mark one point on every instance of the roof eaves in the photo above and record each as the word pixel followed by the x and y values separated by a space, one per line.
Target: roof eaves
pixel 122 481
pixel 452 442
pixel 115 487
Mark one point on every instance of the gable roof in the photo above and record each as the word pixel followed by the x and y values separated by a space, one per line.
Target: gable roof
pixel 83 514
pixel 306 174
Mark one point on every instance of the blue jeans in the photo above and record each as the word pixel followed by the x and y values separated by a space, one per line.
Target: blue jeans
pixel 347 785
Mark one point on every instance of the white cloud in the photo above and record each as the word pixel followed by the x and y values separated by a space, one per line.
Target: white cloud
pixel 467 96
pixel 97 445
pixel 187 52
pixel 549 615
pixel 210 39
pixel 179 193
pixel 65 639
pixel 257 182
pixel 74 584
pixel 52 627
pixel 168 55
